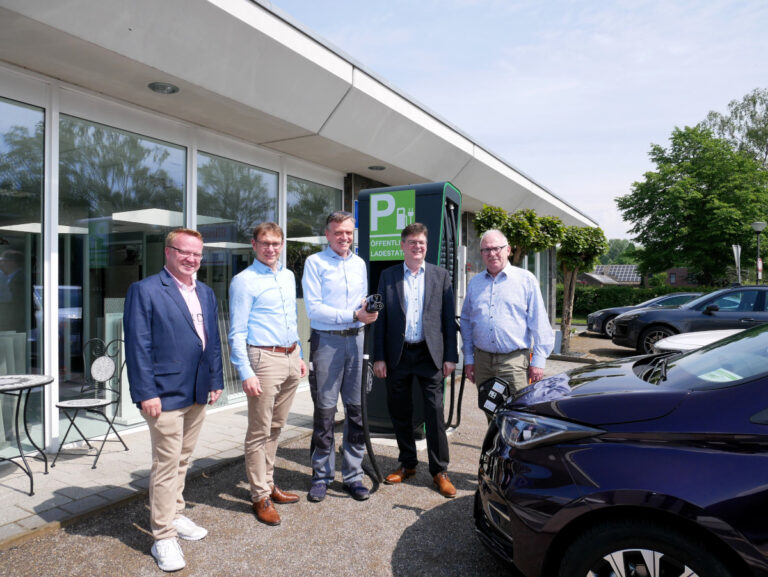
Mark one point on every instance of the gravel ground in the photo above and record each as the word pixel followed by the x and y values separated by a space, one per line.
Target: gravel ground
pixel 407 530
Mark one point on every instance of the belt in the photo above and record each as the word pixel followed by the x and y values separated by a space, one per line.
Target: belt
pixel 501 353
pixel 420 344
pixel 345 333
pixel 285 350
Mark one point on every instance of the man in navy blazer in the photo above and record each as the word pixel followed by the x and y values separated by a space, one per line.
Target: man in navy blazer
pixel 173 357
pixel 415 338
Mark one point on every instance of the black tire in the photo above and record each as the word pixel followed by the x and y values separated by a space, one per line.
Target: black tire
pixel 630 544
pixel 609 327
pixel 650 336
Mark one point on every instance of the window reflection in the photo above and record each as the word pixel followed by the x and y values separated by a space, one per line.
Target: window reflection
pixel 22 130
pixel 119 195
pixel 309 203
pixel 232 199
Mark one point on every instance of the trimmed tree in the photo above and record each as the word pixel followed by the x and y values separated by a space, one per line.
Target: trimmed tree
pixel 579 250
pixel 525 231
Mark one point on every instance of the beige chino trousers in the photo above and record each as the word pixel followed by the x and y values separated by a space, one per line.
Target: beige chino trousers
pixel 174 436
pixel 279 375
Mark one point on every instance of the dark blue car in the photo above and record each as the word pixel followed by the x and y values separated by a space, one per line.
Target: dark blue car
pixel 653 466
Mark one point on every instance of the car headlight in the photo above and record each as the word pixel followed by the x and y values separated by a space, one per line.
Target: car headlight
pixel 627 317
pixel 526 431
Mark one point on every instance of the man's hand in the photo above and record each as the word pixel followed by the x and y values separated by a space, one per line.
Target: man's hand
pixel 252 386
pixel 448 368
pixel 214 396
pixel 380 369
pixel 364 316
pixel 469 370
pixel 152 407
pixel 535 374
pixel 302 368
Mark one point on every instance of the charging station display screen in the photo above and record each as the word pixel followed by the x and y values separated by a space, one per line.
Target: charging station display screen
pixel 391 212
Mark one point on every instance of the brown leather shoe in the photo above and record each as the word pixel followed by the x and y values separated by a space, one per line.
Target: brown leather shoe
pixel 444 485
pixel 266 512
pixel 399 476
pixel 281 497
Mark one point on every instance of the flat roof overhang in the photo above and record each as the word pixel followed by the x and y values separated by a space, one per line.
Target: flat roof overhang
pixel 247 71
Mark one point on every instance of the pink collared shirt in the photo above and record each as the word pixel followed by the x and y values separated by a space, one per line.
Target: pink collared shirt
pixel 189 294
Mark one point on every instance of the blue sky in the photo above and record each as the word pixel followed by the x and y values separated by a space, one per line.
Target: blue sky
pixel 572 93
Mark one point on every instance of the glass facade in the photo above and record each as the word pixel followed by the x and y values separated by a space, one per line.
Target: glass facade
pixel 232 198
pixel 22 131
pixel 308 205
pixel 119 195
pixel 123 180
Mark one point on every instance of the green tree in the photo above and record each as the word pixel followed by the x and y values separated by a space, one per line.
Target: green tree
pixel 699 201
pixel 525 231
pixel 579 251
pixel 746 125
pixel 620 251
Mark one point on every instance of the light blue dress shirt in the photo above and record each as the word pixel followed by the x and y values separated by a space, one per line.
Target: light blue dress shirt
pixel 413 293
pixel 333 289
pixel 506 313
pixel 262 312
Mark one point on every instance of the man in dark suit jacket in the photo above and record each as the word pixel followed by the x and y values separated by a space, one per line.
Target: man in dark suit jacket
pixel 173 357
pixel 415 337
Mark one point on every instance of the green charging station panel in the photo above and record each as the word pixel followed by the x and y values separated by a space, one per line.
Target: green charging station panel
pixel 382 214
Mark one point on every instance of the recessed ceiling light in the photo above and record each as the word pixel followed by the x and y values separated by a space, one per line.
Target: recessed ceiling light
pixel 377 167
pixel 163 87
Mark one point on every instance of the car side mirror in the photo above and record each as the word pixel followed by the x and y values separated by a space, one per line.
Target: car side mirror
pixel 711 309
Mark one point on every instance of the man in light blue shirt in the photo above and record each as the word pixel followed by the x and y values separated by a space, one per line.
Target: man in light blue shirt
pixel 503 320
pixel 335 284
pixel 263 338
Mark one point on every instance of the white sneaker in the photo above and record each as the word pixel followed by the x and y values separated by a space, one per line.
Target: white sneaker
pixel 168 554
pixel 187 529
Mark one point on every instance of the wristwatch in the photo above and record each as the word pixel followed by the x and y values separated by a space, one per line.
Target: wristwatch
pixel 354 316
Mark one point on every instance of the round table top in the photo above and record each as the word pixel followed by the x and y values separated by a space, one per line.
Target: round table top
pixel 21 382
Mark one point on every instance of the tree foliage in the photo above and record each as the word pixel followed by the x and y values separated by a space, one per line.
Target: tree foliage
pixel 579 250
pixel 700 200
pixel 620 251
pixel 746 125
pixel 525 231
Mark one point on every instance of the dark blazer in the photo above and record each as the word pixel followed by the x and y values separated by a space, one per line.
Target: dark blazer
pixel 164 354
pixel 438 316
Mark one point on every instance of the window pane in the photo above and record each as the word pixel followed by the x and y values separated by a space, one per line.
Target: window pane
pixel 119 195
pixel 232 199
pixel 309 204
pixel 21 272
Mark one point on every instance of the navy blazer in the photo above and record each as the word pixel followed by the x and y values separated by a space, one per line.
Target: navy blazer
pixel 438 316
pixel 163 352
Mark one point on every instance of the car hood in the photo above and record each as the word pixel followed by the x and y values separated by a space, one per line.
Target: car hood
pixel 598 395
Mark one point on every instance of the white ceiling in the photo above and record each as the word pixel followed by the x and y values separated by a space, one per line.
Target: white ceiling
pixel 245 71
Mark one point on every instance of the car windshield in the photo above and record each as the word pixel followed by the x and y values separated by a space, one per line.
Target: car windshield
pixel 720 364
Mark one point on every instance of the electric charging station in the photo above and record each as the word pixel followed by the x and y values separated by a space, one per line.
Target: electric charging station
pixel 382 214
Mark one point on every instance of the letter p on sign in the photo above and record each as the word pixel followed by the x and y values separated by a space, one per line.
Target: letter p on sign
pixel 382 205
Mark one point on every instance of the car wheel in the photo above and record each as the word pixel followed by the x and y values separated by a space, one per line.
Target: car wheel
pixel 650 336
pixel 639 548
pixel 610 327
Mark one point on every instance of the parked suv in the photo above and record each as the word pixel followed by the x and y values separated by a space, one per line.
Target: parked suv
pixel 738 307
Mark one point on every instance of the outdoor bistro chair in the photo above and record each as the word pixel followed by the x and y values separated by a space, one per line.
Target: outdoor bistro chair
pixel 100 393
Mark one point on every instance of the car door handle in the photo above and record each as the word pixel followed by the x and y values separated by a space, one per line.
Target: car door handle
pixel 746 320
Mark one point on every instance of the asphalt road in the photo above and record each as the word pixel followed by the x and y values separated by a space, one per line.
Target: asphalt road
pixel 401 531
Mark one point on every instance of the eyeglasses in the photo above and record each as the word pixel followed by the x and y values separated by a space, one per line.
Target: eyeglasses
pixel 187 254
pixel 416 242
pixel 274 245
pixel 493 249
